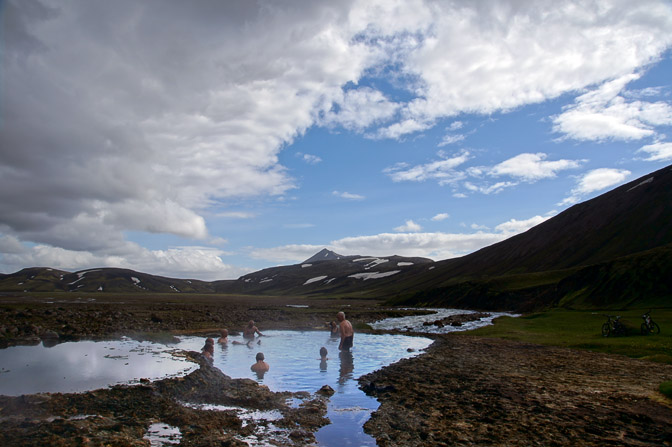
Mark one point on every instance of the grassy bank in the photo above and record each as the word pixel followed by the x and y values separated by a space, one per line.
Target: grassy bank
pixel 582 330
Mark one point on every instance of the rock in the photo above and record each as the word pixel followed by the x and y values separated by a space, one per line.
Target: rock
pixel 326 390
pixel 49 335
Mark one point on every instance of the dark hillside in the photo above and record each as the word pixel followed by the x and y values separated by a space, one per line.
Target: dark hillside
pixel 632 218
pixel 97 280
pixel 611 250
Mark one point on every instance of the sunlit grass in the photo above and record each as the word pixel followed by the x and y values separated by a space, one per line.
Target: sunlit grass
pixel 582 330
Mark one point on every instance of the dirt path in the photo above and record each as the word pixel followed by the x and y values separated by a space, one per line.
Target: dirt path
pixel 473 391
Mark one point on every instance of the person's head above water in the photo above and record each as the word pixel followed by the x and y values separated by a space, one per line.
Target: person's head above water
pixel 340 316
pixel 224 332
pixel 323 351
pixel 260 357
pixel 251 323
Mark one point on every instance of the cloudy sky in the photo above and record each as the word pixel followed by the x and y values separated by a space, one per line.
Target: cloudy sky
pixel 208 139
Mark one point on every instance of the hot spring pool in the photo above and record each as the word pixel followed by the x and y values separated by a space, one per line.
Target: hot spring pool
pixel 293 356
pixel 295 364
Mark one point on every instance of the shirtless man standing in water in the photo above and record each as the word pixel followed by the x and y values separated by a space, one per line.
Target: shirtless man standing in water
pixel 347 333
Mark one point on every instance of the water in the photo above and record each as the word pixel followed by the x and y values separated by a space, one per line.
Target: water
pixel 295 365
pixel 294 359
pixel 85 365
pixel 415 323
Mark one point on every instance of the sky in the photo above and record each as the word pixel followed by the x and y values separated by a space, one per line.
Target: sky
pixel 209 139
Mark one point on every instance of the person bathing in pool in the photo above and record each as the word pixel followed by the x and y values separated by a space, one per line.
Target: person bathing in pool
pixel 208 349
pixel 250 330
pixel 224 339
pixel 347 333
pixel 261 367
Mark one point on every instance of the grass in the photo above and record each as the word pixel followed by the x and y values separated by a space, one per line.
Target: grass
pixel 582 330
pixel 666 389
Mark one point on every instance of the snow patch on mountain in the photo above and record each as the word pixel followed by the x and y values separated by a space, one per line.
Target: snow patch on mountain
pixel 373 275
pixel 316 279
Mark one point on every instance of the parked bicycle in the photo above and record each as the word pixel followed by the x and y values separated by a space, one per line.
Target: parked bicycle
pixel 613 326
pixel 649 326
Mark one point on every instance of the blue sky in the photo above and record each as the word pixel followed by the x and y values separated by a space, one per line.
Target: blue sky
pixel 209 139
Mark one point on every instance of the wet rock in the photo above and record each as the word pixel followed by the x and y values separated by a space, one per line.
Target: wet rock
pixel 326 390
pixel 49 335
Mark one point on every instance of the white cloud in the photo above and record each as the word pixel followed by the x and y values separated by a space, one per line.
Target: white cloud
pixel 10 245
pixel 348 195
pixel 661 151
pixel 360 108
pixel 532 167
pixel 399 129
pixel 132 120
pixel 237 214
pixel 595 180
pixel 523 54
pixel 179 262
pixel 451 139
pixel 430 245
pixel 442 170
pixel 515 226
pixel 441 216
pixel 605 114
pixel 455 125
pixel 523 167
pixel 309 158
pixel 408 227
pixel 485 188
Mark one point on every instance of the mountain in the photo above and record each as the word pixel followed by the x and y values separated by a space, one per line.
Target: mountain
pixel 115 280
pixel 329 273
pixel 323 255
pixel 612 251
pixel 324 273
pixel 589 245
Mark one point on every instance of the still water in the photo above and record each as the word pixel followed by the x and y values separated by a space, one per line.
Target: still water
pixel 295 365
pixel 85 365
pixel 294 358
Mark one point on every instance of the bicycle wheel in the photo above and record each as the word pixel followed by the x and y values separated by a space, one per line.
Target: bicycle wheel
pixel 645 329
pixel 655 329
pixel 605 330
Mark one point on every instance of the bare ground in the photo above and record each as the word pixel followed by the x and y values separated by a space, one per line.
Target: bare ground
pixel 474 391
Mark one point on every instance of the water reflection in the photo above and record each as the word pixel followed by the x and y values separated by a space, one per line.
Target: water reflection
pixel 288 353
pixel 347 366
pixel 85 365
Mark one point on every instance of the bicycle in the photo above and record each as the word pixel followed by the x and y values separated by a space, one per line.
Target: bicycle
pixel 613 326
pixel 649 326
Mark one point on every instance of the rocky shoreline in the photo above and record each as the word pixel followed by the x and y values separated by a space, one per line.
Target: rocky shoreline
pixel 120 415
pixel 472 391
